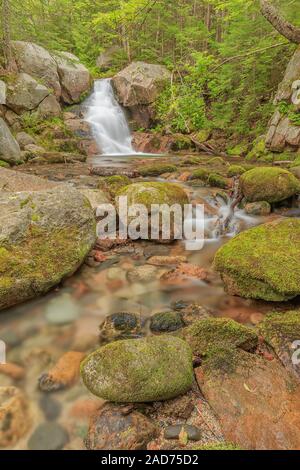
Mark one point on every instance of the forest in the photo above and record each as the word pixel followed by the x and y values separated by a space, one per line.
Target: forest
pixel 149 228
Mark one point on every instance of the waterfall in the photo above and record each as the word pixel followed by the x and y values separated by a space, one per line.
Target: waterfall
pixel 108 121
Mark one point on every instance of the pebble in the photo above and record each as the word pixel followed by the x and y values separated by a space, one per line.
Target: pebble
pixel 146 273
pixel 48 436
pixel 62 310
pixel 173 432
pixel 50 407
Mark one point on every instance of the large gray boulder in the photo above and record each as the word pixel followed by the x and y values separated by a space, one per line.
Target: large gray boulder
pixel 292 74
pixel 49 108
pixel 138 86
pixel 2 92
pixel 45 236
pixel 9 148
pixel 37 62
pixel 25 94
pixel 74 77
pixel 282 132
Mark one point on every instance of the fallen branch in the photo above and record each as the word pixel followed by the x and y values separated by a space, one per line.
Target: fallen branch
pixel 207 148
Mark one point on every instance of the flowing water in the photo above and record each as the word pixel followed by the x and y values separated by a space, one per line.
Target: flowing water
pixel 38 332
pixel 108 121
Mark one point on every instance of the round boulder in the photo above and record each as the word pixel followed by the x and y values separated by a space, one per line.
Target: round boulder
pixel 139 370
pixel 269 184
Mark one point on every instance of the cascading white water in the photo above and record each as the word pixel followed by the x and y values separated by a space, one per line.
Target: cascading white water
pixel 108 121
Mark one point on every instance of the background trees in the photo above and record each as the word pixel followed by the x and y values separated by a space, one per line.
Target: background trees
pixel 226 59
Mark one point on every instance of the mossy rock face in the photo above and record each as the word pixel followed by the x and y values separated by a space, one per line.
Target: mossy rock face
pixel 225 446
pixel 258 150
pixel 141 370
pixel 181 142
pixel 4 164
pixel 217 161
pixel 280 330
pixel 217 181
pixel 154 193
pixel 263 262
pixel 238 150
pixel 200 174
pixel 113 184
pixel 45 236
pixel 157 169
pixel 235 170
pixel 262 208
pixel 205 336
pixel 296 162
pixel 269 184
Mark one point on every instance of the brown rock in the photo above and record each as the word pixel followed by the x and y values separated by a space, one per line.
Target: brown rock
pixel 64 374
pixel 14 417
pixel 12 370
pixel 166 260
pixel 184 274
pixel 256 401
pixel 118 428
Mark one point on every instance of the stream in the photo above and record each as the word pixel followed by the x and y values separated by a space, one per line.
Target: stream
pixel 68 318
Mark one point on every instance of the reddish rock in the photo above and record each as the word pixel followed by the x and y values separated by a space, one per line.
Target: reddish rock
pixel 257 402
pixel 183 274
pixel 14 371
pixel 64 374
pixel 118 428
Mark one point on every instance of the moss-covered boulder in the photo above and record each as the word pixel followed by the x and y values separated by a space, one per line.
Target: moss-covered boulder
pixel 149 193
pixel 269 184
pixel 200 174
pixel 113 184
pixel 139 370
pixel 181 142
pixel 45 236
pixel 281 330
pixel 217 181
pixel 263 262
pixel 205 336
pixel 235 170
pixel 157 169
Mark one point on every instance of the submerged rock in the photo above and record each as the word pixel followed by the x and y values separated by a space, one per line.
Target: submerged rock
pixel 263 262
pixel 117 428
pixel 260 208
pixel 269 184
pixel 64 374
pixel 141 370
pixel 120 326
pixel 45 236
pixel 14 416
pixel 174 432
pixel 48 436
pixel 166 321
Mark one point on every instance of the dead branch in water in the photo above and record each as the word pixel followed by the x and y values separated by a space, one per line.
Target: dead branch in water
pixel 207 148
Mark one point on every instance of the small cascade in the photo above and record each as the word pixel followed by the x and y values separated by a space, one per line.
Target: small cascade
pixel 108 121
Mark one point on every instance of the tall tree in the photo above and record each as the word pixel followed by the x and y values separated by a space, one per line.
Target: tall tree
pixel 284 27
pixel 8 58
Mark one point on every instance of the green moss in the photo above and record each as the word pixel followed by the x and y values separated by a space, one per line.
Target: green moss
pixel 296 162
pixel 139 370
pixel 258 150
pixel 279 327
pixel 154 193
pixel 235 170
pixel 200 174
pixel 225 446
pixel 217 181
pixel 39 263
pixel 269 184
pixel 203 135
pixel 217 161
pixel 238 150
pixel 181 142
pixel 157 169
pixel 263 262
pixel 4 164
pixel 206 335
pixel 113 184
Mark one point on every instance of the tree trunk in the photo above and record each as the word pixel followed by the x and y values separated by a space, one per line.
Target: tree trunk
pixel 6 32
pixel 289 31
